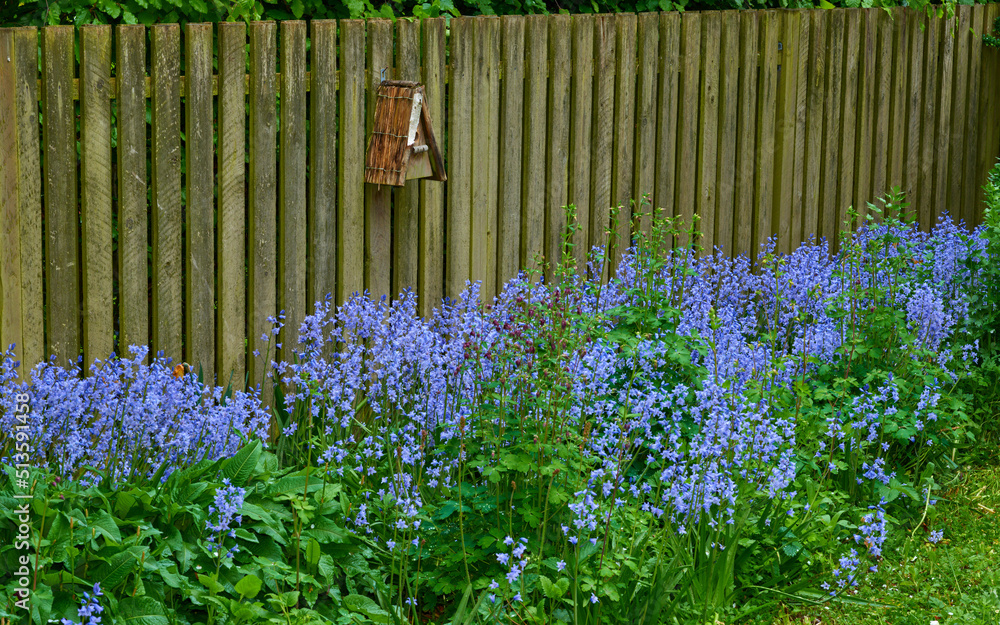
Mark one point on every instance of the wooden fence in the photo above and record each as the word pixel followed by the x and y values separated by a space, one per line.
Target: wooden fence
pixel 246 183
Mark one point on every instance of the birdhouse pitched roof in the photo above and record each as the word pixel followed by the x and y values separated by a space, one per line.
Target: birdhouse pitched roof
pixel 402 143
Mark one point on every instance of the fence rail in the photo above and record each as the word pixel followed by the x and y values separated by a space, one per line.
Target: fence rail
pixel 243 192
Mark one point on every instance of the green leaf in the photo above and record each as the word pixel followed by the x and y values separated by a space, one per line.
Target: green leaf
pixel 364 605
pixel 209 581
pixel 248 587
pixel 313 551
pixel 105 525
pixel 549 589
pixel 240 467
pixel 298 9
pixel 142 610
pixel 563 585
pixel 114 572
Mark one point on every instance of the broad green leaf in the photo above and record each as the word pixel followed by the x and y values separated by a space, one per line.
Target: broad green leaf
pixel 551 590
pixel 211 583
pixel 240 467
pixel 313 551
pixel 141 610
pixel 105 525
pixel 249 586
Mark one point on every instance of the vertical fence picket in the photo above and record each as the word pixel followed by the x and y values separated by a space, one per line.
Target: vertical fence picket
pixel 603 133
pixel 923 200
pixel 351 224
pixel 459 191
pixel 708 129
pixel 431 270
pixel 898 128
pixel 956 125
pixel 199 240
pixel 130 68
pixel 729 84
pixel 848 118
pixel 861 193
pixel 581 129
pixel 534 131
pixel 10 230
pixel 942 141
pixel 292 216
pixel 746 130
pixel 802 69
pixel 664 188
pixel 648 40
pixel 323 205
pixel 231 227
pixel 882 104
pixel 62 222
pixel 829 222
pixel 784 128
pixel 557 151
pixel 621 164
pixel 989 107
pixel 812 189
pixel 95 192
pixel 406 201
pixel 767 92
pixel 971 185
pixel 485 56
pixel 914 106
pixel 378 198
pixel 511 142
pixel 687 123
pixel 262 199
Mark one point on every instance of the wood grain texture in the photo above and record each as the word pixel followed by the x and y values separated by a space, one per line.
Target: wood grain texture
pixel 729 84
pixel 784 129
pixel 533 152
pixel 29 198
pixel 914 106
pixel 687 124
pixel 644 171
pixel 485 80
pixel 816 91
pixel 898 130
pixel 199 240
pixel 323 206
pixel 942 143
pixel 832 139
pixel 378 198
pixel 882 103
pixel 621 164
pixel 459 200
pixel 746 132
pixel 95 192
pixel 603 135
pixel 166 212
pixel 10 229
pixel 581 130
pixel 511 145
pixel 956 126
pixel 557 151
pixel 406 201
pixel 848 119
pixel 262 201
pixel 667 112
pixel 768 96
pixel 292 183
pixel 351 205
pixel 798 207
pixel 866 114
pixel 971 191
pixel 62 221
pixel 989 109
pixel 431 271
pixel 230 231
pixel 708 130
pixel 923 201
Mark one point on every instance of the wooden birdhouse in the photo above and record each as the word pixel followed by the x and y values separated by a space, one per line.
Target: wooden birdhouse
pixel 402 145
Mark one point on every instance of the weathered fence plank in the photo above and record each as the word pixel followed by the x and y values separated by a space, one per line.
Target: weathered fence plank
pixel 10 230
pixel 971 192
pixel 199 210
pixel 830 220
pixel 351 207
pixel 292 212
pixel 231 228
pixel 323 206
pixel 923 201
pixel 746 130
pixel 956 129
pixel 942 142
pixel 812 188
pixel 459 158
pixel 485 83
pixel 648 42
pixel 861 194
pixel 378 198
pixel 898 129
pixel 729 84
pixel 621 164
pixel 882 103
pixel 581 127
pixel 848 119
pixel 535 134
pixel 406 201
pixel 62 220
pixel 914 106
pixel 557 156
pixel 784 129
pixel 708 129
pixel 687 123
pixel 768 93
pixel 431 271
pixel 262 197
pixel 511 143
pixel 798 207
pixel 603 128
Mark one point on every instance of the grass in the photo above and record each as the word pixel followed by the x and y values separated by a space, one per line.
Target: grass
pixel 955 581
